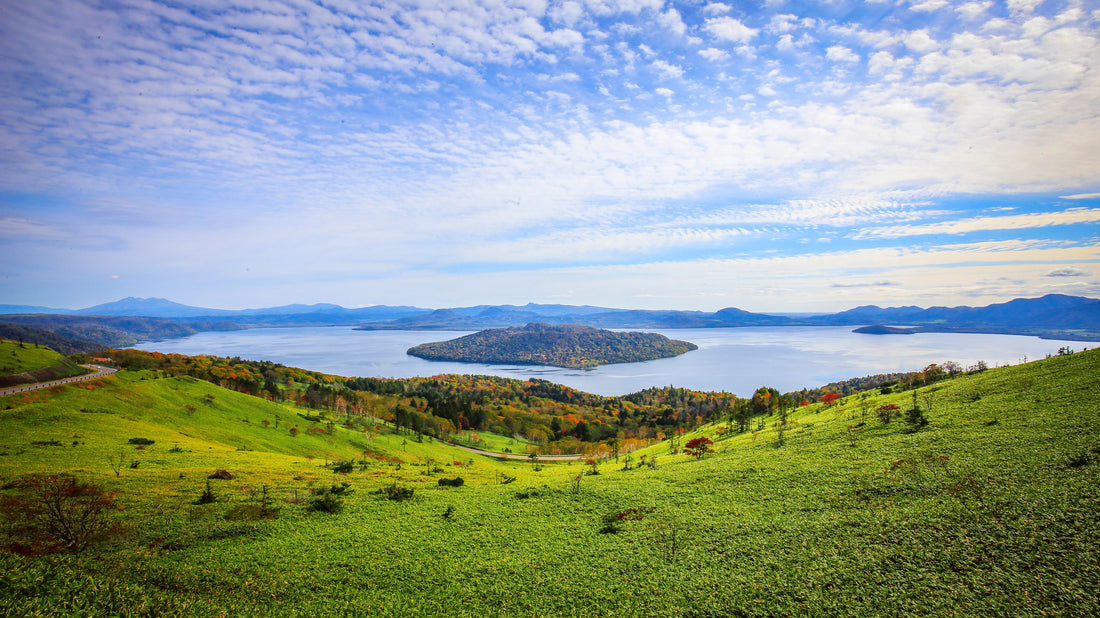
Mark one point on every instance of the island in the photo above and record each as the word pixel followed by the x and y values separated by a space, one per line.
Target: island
pixel 568 345
pixel 880 329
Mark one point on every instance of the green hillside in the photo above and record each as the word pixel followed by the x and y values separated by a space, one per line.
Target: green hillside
pixel 22 363
pixel 990 508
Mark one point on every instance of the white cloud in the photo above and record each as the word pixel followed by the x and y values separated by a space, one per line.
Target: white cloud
pixel 928 6
pixel 714 54
pixel 1068 272
pixel 920 41
pixel 971 10
pixel 1023 6
pixel 730 29
pixel 839 53
pixel 568 13
pixel 1072 216
pixel 667 70
pixel 672 21
pixel 717 8
pixel 880 61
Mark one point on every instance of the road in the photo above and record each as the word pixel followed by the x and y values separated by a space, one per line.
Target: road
pixel 100 371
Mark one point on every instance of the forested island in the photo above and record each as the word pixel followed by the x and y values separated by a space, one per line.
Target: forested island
pixel 569 345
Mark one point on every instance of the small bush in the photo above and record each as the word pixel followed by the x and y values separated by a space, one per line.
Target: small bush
pixel 250 512
pixel 207 495
pixel 396 492
pixel 325 501
pixel 455 482
pixel 343 467
pixel 141 441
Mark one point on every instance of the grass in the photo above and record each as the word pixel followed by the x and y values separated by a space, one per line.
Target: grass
pixel 18 359
pixel 991 509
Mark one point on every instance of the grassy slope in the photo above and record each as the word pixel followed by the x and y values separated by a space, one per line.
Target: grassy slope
pixel 15 359
pixel 30 363
pixel 991 510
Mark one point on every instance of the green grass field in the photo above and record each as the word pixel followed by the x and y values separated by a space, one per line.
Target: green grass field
pixel 18 359
pixel 991 509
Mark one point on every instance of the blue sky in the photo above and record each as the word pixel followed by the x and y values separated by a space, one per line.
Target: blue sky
pixel 773 156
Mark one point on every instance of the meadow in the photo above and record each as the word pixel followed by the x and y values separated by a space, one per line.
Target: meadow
pixel 990 508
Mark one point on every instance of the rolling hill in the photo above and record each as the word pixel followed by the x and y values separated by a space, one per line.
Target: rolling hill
pixel 988 509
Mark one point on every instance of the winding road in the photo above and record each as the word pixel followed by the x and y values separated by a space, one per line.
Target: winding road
pixel 100 371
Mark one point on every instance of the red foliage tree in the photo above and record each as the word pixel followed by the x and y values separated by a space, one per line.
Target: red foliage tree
pixel 697 447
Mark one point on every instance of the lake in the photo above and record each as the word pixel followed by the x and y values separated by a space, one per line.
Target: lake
pixel 736 360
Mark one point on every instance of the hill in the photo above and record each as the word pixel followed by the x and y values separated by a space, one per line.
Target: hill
pixel 570 346
pixel 24 363
pixel 988 508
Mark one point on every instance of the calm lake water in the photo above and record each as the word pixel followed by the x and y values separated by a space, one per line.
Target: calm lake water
pixel 737 360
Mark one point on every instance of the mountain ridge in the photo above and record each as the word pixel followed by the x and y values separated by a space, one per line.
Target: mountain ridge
pixel 1052 316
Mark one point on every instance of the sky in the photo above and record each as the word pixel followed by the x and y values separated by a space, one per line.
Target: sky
pixel 778 156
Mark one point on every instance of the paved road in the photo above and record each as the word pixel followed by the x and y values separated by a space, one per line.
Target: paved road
pixel 100 371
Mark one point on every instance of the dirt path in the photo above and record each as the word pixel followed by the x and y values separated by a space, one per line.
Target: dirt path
pixel 99 370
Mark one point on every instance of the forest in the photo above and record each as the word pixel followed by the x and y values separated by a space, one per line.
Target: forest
pixel 571 346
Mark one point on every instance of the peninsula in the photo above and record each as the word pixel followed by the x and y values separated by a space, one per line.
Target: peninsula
pixel 569 345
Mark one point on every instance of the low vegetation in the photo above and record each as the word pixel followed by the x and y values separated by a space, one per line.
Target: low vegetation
pixel 987 507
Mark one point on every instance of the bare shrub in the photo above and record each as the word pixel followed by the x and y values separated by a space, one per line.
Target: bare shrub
pixel 55 512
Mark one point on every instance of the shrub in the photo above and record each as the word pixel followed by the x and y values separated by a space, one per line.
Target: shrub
pixel 55 512
pixel 207 495
pixel 887 412
pixel 343 467
pixel 325 501
pixel 455 482
pixel 396 492
pixel 141 441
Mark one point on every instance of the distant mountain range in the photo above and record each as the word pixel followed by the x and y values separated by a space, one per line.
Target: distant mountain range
pixel 1052 316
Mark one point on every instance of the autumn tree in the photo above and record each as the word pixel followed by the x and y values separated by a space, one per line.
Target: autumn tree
pixel 697 447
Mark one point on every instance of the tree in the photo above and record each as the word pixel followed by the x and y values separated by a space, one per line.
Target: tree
pixel 915 417
pixel 697 447
pixel 55 512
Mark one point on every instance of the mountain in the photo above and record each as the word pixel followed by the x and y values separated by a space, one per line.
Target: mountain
pixel 476 318
pixel 150 308
pixel 1051 316
pixel 571 346
pixel 20 309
